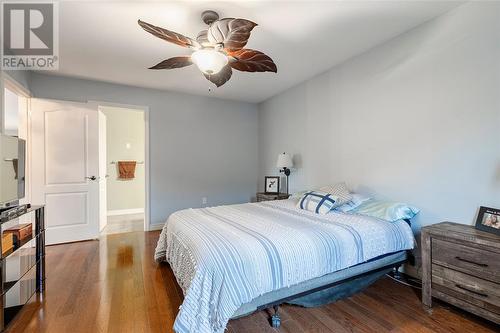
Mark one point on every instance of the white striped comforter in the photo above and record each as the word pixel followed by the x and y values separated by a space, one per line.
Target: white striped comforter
pixel 226 256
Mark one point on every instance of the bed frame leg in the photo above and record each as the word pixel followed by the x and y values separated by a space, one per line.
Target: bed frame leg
pixel 397 274
pixel 275 318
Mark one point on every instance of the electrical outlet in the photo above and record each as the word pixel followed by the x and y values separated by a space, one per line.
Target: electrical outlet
pixel 204 200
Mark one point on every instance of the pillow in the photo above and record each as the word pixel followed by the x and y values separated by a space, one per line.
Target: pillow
pixel 357 199
pixel 298 195
pixel 340 191
pixel 386 210
pixel 317 202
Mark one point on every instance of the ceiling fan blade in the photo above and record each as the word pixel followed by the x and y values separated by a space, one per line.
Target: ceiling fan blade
pixel 175 62
pixel 248 60
pixel 220 78
pixel 202 37
pixel 168 35
pixel 233 33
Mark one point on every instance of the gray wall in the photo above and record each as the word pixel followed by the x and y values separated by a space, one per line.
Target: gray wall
pixel 21 77
pixel 416 119
pixel 199 146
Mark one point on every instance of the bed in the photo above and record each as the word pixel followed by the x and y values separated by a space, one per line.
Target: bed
pixel 233 260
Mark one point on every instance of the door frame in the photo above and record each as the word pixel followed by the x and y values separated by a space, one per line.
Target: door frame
pixel 145 110
pixel 103 199
pixel 7 81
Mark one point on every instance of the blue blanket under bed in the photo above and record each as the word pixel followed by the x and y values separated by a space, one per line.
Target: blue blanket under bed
pixel 331 294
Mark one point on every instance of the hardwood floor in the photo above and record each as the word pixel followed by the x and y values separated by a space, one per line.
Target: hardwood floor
pixel 118 224
pixel 113 285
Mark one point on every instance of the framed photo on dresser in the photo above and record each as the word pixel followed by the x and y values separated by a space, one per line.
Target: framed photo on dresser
pixel 272 185
pixel 488 220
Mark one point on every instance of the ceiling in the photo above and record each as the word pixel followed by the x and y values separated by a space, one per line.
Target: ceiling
pixel 102 41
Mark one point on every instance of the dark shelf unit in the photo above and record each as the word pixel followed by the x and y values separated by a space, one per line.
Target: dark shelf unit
pixel 22 269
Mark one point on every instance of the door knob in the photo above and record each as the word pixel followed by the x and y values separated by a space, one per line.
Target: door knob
pixel 91 177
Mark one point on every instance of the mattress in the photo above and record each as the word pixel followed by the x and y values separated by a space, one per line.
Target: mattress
pixel 225 257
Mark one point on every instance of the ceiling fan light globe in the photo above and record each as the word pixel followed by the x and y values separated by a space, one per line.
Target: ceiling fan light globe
pixel 209 61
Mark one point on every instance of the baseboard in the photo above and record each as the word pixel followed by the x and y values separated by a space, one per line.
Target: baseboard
pixel 125 211
pixel 154 227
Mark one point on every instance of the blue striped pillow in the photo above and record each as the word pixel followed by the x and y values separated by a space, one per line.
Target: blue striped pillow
pixel 317 202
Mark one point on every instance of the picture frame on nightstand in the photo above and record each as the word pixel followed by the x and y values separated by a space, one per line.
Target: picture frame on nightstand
pixel 488 219
pixel 272 184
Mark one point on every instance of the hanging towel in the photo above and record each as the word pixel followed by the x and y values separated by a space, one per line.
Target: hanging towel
pixel 126 169
pixel 15 163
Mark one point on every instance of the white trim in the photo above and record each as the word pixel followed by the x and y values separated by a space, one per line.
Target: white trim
pixel 147 174
pixel 145 109
pixel 119 105
pixel 29 158
pixel 10 83
pixel 3 80
pixel 125 211
pixel 154 227
pixel 15 86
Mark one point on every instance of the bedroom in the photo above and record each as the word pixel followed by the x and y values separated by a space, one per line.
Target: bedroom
pixel 396 99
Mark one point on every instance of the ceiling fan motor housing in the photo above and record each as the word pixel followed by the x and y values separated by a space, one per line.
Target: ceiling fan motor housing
pixel 209 16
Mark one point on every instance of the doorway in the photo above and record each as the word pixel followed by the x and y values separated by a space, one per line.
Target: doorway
pixel 70 167
pixel 14 118
pixel 122 149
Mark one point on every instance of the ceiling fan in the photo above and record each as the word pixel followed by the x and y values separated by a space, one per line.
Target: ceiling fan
pixel 217 50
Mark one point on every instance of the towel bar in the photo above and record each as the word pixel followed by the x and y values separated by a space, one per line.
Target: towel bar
pixel 114 162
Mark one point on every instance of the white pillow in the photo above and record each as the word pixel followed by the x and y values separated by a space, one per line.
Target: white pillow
pixel 317 202
pixel 357 199
pixel 298 195
pixel 340 191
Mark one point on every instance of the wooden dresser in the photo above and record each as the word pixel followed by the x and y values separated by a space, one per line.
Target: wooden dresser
pixel 461 266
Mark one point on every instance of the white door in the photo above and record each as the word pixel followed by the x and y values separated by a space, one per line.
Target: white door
pixel 65 168
pixel 103 168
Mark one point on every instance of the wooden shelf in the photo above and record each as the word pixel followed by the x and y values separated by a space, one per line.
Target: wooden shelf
pixel 9 284
pixel 17 247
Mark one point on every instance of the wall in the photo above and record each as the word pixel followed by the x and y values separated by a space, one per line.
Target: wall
pixel 416 119
pixel 21 77
pixel 11 113
pixel 124 142
pixel 199 146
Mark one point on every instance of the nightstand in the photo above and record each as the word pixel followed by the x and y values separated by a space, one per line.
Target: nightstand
pixel 262 196
pixel 461 266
